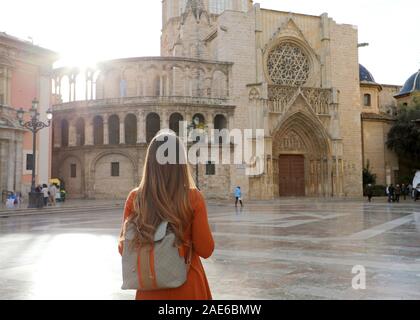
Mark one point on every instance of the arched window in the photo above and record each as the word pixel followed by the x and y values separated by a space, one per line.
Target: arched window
pixel 98 131
pixel 367 100
pixel 174 121
pixel 64 133
pixel 80 132
pixel 114 129
pixel 152 126
pixel 130 125
pixel 220 123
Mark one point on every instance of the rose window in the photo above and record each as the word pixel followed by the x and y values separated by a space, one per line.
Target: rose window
pixel 288 65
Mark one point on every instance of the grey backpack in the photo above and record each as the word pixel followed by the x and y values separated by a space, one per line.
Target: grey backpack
pixel 153 267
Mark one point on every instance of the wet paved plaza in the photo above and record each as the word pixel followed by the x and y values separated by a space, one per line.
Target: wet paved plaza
pixel 286 249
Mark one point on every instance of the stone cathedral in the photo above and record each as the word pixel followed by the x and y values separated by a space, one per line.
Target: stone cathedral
pixel 231 64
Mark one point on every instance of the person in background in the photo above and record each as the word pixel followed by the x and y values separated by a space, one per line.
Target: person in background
pixel 11 201
pixel 45 191
pixel 397 193
pixel 19 198
pixel 63 194
pixel 369 192
pixel 391 193
pixel 404 191
pixel 410 190
pixel 238 196
pixel 52 193
pixel 416 192
pixel 58 194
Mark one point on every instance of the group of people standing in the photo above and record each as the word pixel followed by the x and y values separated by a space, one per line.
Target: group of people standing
pixel 50 193
pixel 394 193
pixel 14 199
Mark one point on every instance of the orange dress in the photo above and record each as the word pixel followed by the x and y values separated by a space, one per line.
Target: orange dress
pixel 199 234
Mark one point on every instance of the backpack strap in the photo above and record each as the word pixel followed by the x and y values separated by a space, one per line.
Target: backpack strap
pixel 161 231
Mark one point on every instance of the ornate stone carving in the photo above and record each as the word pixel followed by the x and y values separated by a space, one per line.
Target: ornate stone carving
pixel 288 65
pixel 292 142
pixel 281 96
pixel 254 94
pixel 319 99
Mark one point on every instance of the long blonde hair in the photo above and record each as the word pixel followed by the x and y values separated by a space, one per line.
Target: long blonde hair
pixel 163 193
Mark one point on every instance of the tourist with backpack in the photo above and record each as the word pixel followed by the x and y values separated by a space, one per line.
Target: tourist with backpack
pixel 166 230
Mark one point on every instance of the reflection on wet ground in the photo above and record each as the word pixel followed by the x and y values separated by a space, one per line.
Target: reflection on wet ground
pixel 287 249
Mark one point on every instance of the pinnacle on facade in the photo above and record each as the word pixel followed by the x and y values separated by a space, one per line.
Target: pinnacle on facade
pixel 197 8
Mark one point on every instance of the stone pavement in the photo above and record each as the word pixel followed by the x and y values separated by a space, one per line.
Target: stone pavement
pixel 67 204
pixel 286 249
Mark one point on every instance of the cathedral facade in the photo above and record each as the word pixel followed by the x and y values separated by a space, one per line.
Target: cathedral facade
pixel 233 65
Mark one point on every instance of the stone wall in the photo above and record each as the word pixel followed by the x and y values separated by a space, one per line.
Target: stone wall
pixel 382 161
pixel 387 102
pixel 93 162
pixel 345 77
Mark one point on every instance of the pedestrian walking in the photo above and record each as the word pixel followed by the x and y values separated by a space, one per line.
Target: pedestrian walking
pixel 369 192
pixel 391 195
pixel 238 196
pixel 167 194
pixel 45 192
pixel 397 193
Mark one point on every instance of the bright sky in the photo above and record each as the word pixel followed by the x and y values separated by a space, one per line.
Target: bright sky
pixel 85 31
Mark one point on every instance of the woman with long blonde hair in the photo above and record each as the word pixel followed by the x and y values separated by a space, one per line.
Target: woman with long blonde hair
pixel 167 192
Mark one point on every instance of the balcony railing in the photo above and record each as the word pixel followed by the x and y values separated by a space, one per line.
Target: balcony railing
pixel 128 101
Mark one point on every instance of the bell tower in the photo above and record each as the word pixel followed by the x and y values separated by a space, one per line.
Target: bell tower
pixel 187 22
pixel 185 25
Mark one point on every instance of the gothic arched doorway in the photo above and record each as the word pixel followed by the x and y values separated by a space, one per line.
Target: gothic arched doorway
pixel 291 175
pixel 302 163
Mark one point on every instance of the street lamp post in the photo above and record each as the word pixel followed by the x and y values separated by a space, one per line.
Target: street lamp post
pixel 34 125
pixel 361 45
pixel 193 126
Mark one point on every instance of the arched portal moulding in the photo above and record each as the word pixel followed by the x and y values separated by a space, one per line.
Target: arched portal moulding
pixel 299 131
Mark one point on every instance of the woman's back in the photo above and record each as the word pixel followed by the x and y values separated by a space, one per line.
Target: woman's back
pixel 167 193
pixel 199 234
